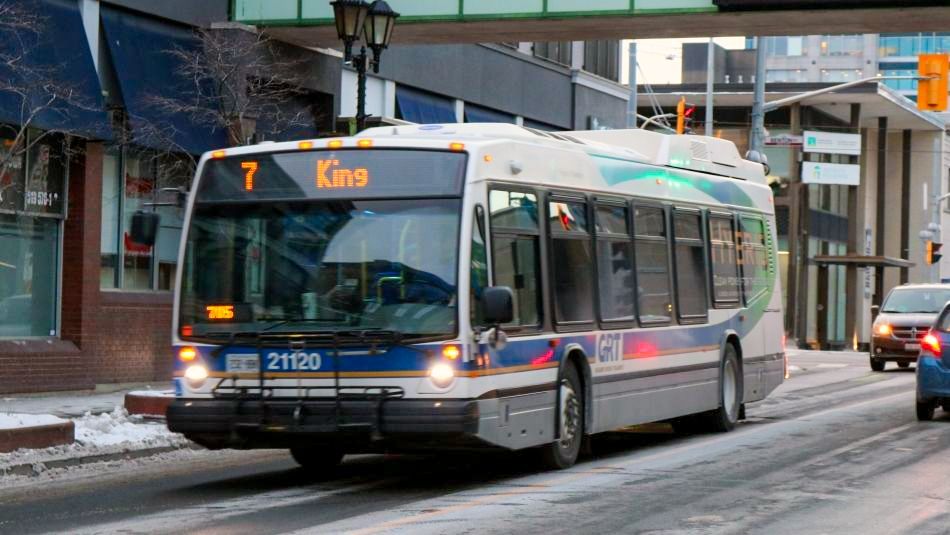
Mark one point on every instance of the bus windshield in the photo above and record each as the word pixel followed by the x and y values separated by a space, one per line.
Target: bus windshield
pixel 322 266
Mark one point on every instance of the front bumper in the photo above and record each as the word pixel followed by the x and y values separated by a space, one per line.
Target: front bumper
pixel 933 379
pixel 893 349
pixel 356 425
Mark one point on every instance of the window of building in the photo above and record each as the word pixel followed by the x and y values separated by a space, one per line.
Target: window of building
pixel 786 46
pixel 572 263
pixel 840 75
pixel 842 45
pixel 614 263
pixel 901 85
pixel 755 259
pixel 690 254
pixel 786 76
pixel 556 51
pixel 603 59
pixel 654 301
pixel 32 204
pixel 131 180
pixel 515 252
pixel 725 265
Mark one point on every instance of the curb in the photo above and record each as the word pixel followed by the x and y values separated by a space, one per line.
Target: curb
pixel 149 406
pixel 37 437
pixel 31 469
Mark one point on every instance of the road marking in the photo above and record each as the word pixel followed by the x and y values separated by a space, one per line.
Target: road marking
pixel 832 365
pixel 180 519
pixel 602 470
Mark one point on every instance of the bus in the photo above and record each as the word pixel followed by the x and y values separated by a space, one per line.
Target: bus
pixel 458 286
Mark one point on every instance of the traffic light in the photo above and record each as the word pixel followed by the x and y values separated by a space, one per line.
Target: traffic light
pixel 684 115
pixel 933 252
pixel 932 88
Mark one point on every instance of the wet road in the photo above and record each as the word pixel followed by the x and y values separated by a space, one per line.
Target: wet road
pixel 836 450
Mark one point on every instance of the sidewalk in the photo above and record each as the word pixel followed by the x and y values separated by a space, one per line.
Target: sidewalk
pixel 84 427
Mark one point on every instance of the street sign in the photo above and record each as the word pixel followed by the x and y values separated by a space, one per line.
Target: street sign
pixel 784 140
pixel 831 173
pixel 831 143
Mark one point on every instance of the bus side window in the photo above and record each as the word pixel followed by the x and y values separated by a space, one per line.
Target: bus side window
pixel 725 265
pixel 614 263
pixel 691 300
pixel 572 262
pixel 755 259
pixel 479 273
pixel 654 298
pixel 515 251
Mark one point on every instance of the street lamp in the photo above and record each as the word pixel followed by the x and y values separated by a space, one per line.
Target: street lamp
pixel 373 23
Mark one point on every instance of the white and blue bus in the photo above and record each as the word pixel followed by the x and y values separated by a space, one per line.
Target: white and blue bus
pixel 420 288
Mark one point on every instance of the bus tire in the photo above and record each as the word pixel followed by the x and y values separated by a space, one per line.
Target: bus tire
pixel 317 458
pixel 724 418
pixel 563 452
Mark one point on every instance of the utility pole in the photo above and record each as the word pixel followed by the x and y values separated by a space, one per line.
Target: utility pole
pixel 710 79
pixel 632 103
pixel 757 142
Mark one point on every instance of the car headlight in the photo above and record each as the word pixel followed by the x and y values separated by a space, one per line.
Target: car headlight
pixel 884 329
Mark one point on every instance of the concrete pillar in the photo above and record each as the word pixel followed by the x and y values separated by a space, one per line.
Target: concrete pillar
pixel 855 233
pixel 881 208
pixel 905 201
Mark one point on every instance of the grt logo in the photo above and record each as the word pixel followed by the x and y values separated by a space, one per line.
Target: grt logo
pixel 330 175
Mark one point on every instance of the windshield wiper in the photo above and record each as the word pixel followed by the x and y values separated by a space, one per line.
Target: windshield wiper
pixel 280 322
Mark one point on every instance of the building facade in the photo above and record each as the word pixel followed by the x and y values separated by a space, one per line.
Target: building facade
pixel 82 304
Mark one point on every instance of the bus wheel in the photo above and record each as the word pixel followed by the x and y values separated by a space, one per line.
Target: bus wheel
pixel 730 395
pixel 316 457
pixel 563 452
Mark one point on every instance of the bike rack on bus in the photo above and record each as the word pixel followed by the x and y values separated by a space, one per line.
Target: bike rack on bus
pixel 301 342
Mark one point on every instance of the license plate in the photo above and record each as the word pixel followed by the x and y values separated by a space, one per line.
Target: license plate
pixel 911 347
pixel 243 363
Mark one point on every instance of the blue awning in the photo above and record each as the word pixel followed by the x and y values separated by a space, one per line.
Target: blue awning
pixel 55 76
pixel 478 114
pixel 143 54
pixel 424 108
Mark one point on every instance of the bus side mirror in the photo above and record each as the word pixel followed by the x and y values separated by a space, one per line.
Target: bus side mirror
pixel 498 305
pixel 144 229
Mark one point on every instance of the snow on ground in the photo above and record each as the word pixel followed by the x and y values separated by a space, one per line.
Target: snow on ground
pixel 153 393
pixel 14 420
pixel 99 434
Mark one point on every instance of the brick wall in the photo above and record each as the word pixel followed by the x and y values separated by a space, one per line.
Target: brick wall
pixel 106 336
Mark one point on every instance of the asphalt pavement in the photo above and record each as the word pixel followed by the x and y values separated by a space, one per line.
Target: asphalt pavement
pixel 836 449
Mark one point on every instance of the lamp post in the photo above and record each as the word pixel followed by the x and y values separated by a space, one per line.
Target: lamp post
pixel 373 24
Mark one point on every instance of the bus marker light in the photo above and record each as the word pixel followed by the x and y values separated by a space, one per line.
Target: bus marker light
pixel 451 352
pixel 488 158
pixel 187 354
pixel 187 330
pixel 305 145
pixel 335 144
pixel 456 147
pixel 218 154
pixel 364 143
pixel 441 374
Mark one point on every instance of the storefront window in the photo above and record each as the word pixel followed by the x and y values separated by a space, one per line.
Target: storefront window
pixel 131 181
pixel 28 263
pixel 32 202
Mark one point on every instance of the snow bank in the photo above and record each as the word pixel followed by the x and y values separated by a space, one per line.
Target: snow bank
pixel 14 420
pixel 100 434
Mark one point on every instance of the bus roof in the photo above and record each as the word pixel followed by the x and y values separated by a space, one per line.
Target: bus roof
pixel 695 153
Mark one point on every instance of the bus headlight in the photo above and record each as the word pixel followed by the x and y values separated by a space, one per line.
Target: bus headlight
pixel 196 375
pixel 442 374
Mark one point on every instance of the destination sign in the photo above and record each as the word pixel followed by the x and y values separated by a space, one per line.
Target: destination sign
pixel 333 174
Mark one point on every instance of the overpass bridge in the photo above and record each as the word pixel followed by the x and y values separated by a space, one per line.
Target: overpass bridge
pixel 310 22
